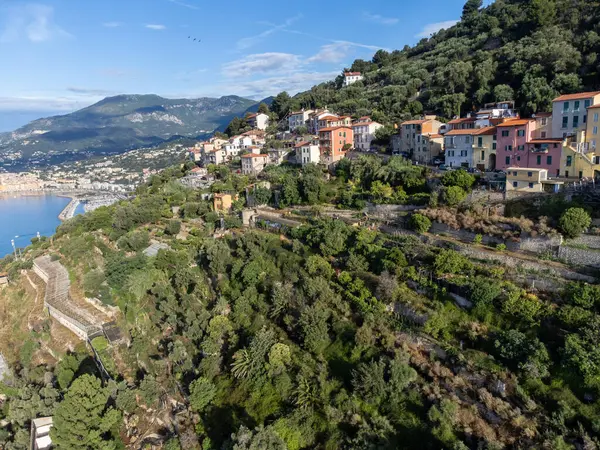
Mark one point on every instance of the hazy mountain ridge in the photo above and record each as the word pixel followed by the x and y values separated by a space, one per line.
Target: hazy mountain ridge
pixel 119 123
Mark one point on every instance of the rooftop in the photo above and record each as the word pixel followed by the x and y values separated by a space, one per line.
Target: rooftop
pixel 415 122
pixel 515 123
pixel 462 120
pixel 526 169
pixel 336 128
pixel 467 131
pixel 349 74
pixel 485 131
pixel 578 96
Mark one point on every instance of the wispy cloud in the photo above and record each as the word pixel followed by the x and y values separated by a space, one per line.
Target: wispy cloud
pixel 261 64
pixel 47 101
pixel 184 4
pixel 433 28
pixel 156 26
pixel 332 53
pixel 377 18
pixel 89 91
pixel 251 41
pixel 30 21
pixel 112 24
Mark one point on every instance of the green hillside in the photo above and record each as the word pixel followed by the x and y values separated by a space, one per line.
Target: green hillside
pixel 525 50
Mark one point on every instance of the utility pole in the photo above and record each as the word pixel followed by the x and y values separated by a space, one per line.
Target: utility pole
pixel 12 241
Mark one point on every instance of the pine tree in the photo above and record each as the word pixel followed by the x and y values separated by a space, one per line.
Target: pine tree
pixel 471 7
pixel 82 420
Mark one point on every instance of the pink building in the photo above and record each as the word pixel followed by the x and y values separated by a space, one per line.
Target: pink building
pixel 513 136
pixel 545 154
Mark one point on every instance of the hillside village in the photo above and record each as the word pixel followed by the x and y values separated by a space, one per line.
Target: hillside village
pixel 537 154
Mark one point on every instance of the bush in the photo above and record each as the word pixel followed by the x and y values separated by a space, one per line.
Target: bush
pixel 450 261
pixel 459 178
pixel 500 247
pixel 477 239
pixel 574 221
pixel 420 223
pixel 173 227
pixel 453 195
pixel 484 291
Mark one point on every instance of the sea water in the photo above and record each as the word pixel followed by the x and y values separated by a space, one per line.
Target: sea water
pixel 22 217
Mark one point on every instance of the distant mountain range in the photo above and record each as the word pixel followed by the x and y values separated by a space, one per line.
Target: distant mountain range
pixel 117 124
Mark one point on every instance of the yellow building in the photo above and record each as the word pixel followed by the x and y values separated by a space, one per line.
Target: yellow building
pixel 574 164
pixel 525 179
pixel 484 149
pixel 592 135
pixel 222 202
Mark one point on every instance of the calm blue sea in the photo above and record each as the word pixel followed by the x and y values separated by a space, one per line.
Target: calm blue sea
pixel 22 217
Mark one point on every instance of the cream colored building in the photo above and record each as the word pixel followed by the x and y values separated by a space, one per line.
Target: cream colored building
pixel 254 164
pixel 525 179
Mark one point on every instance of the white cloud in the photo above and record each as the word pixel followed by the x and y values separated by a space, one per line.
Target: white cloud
pixel 112 24
pixel 31 21
pixel 433 28
pixel 377 18
pixel 185 5
pixel 262 63
pixel 251 41
pixel 90 91
pixel 332 53
pixel 156 26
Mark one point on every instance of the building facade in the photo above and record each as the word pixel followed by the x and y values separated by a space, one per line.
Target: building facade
pixel 254 164
pixel 308 153
pixel 298 119
pixel 411 133
pixel 525 179
pixel 569 112
pixel 364 133
pixel 459 148
pixel 592 134
pixel 484 148
pixel 260 121
pixel 334 143
pixel 512 137
pixel 352 77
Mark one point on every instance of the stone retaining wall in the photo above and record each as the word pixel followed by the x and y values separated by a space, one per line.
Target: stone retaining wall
pixel 580 256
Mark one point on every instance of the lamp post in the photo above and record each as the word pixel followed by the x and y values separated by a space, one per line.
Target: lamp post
pixel 12 241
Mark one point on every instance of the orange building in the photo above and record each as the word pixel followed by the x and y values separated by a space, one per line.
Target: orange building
pixel 334 142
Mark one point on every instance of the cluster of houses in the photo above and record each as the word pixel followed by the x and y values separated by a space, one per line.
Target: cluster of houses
pixel 536 153
pixel 312 137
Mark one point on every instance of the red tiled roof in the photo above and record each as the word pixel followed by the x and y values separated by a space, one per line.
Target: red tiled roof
pixel 578 96
pixel 349 74
pixel 462 120
pixel 515 123
pixel 434 136
pixel 485 131
pixel 469 131
pixel 330 117
pixel 594 106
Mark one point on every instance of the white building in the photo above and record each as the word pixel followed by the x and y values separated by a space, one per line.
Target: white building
pixel 215 157
pixel 459 147
pixel 307 153
pixel 259 121
pixel 569 113
pixel 298 119
pixel 364 133
pixel 314 118
pixel 499 110
pixel 352 77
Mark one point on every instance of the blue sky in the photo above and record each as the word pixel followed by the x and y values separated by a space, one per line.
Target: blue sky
pixel 61 55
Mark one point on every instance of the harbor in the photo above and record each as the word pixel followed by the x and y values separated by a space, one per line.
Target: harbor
pixel 90 202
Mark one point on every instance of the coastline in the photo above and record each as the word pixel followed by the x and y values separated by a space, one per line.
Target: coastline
pixel 68 211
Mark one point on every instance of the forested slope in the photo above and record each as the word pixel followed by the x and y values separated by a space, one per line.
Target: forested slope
pixel 524 50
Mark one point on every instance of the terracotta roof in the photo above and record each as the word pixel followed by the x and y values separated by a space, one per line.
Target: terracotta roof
pixel 253 155
pixel 335 128
pixel 348 74
pixel 594 106
pixel 330 117
pixel 578 96
pixel 415 122
pixel 250 116
pixel 485 131
pixel 468 131
pixel 515 123
pixel 301 144
pixel 462 120
pixel 434 136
